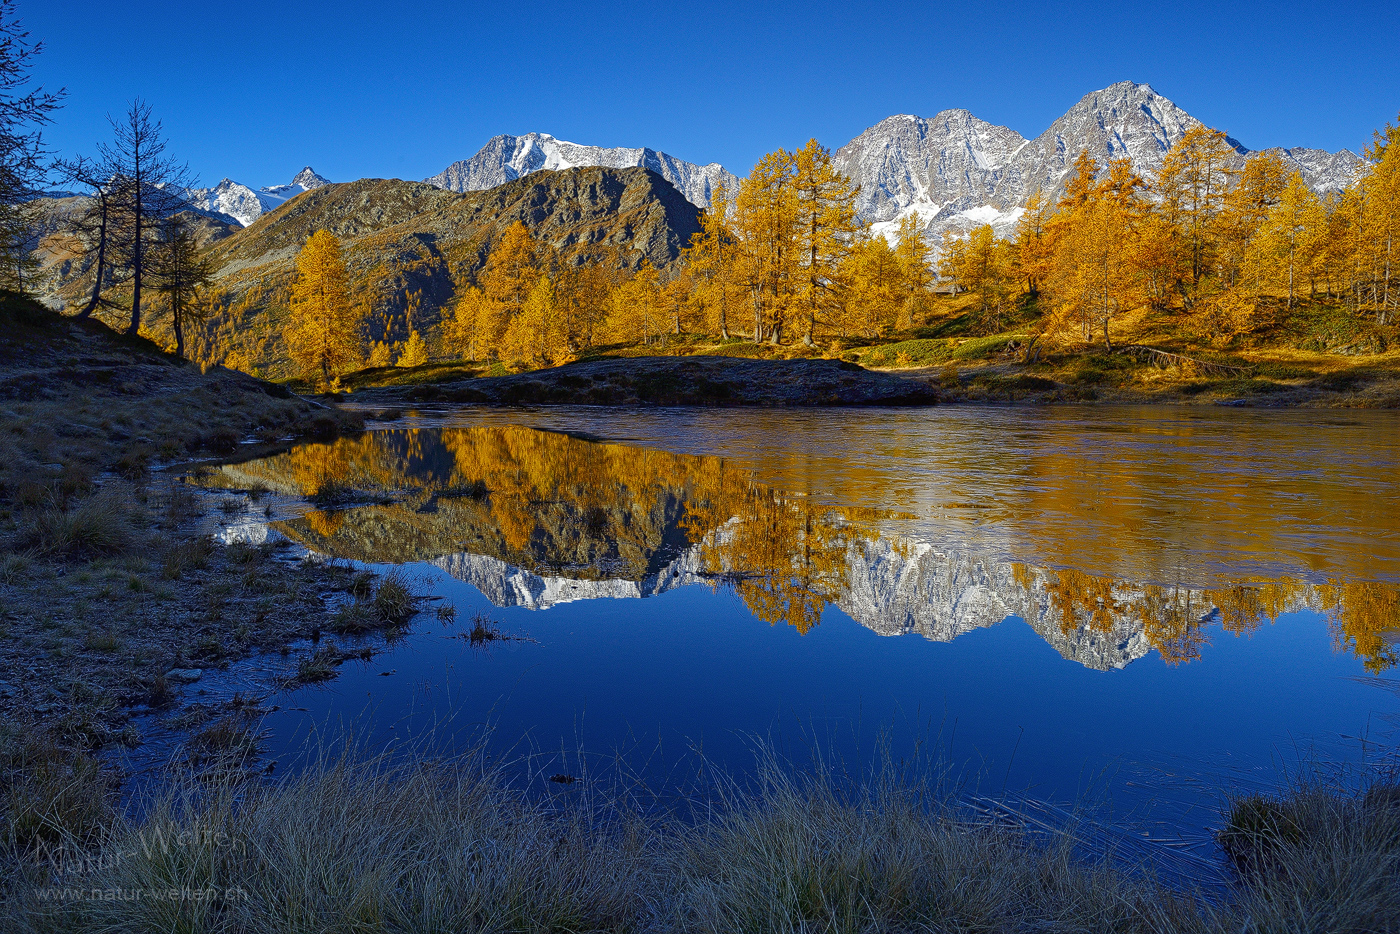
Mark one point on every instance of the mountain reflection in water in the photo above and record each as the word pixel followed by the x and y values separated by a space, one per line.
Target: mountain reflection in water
pixel 534 518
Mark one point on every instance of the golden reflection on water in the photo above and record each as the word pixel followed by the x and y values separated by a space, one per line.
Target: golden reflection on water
pixel 563 506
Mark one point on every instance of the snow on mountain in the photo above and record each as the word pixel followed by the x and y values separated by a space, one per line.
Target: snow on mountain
pixel 238 202
pixel 506 158
pixel 954 171
pixel 905 589
pixel 1324 172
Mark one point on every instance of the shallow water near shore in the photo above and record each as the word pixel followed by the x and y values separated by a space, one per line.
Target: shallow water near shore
pixel 1146 607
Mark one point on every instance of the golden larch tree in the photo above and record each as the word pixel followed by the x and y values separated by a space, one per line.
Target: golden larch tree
pixel 323 334
pixel 826 220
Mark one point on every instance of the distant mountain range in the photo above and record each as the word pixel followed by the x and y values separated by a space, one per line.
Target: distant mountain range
pixel 237 203
pixel 954 170
pixel 506 158
pixel 951 170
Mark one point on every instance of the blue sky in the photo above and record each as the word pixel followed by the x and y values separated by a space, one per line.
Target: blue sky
pixel 256 90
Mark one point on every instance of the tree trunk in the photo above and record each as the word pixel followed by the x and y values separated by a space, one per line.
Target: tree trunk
pixel 136 258
pixel 178 323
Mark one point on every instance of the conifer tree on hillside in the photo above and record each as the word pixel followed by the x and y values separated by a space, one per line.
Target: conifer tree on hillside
pixel 636 315
pixel 512 272
pixel 1289 237
pixel 179 272
pixel 462 334
pixel 92 230
pixel 1034 247
pixel 981 264
pixel 871 298
pixel 765 220
pixel 710 260
pixel 915 272
pixel 1195 177
pixel 323 334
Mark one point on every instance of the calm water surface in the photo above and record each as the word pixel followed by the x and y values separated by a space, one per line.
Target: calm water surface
pixel 1144 605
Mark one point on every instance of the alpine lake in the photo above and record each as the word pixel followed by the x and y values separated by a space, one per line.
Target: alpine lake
pixel 1107 616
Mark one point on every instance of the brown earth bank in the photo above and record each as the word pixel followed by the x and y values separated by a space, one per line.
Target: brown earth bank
pixel 736 381
pixel 113 597
pixel 692 380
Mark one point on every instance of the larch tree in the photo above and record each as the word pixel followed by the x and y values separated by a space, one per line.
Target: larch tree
pixel 1034 247
pixel 1246 206
pixel 323 335
pixel 1377 243
pixel 765 219
pixel 710 260
pixel 980 263
pixel 1289 237
pixel 1196 174
pixel 826 221
pixel 912 252
pixel 148 186
pixel 873 290
pixel 1093 276
pixel 415 351
pixel 92 230
pixel 636 315
pixel 463 331
pixel 511 274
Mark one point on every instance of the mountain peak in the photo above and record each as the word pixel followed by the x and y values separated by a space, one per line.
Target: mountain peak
pixel 308 179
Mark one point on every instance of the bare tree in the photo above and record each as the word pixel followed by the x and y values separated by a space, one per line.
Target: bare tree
pixel 147 187
pixel 23 110
pixel 93 227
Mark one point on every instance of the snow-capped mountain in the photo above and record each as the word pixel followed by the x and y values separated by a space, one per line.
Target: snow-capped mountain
pixel 238 202
pixel 955 171
pixel 506 158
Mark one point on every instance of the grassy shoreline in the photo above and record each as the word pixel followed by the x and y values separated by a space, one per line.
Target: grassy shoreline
pixel 114 601
pixel 426 844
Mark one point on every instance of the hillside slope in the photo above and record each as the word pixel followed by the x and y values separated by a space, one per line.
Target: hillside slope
pixel 410 247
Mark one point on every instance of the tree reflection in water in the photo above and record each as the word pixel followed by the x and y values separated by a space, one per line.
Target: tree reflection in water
pixel 558 506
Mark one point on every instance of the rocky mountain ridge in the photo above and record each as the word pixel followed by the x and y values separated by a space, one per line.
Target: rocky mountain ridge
pixel 955 171
pixel 505 158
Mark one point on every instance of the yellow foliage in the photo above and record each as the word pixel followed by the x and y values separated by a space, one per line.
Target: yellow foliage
pixel 323 336
pixel 415 351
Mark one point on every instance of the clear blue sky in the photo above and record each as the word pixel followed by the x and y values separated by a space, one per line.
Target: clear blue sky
pixel 256 90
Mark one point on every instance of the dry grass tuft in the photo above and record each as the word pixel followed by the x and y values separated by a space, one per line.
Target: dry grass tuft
pixel 51 794
pixel 394 603
pixel 185 556
pixel 97 526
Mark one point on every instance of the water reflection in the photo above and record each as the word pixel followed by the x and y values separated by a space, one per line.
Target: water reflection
pixel 534 518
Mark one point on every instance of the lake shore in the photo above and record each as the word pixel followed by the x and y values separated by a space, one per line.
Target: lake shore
pixel 729 381
pixel 115 602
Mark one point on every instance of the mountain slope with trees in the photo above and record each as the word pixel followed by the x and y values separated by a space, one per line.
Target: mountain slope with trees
pixel 411 248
